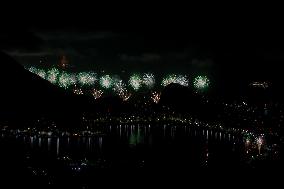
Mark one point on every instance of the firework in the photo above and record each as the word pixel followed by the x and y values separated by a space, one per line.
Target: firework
pixel 182 80
pixel 73 79
pixel 125 96
pixel 41 73
pixel 78 91
pixel 97 93
pixel 259 142
pixel 156 97
pixel 52 75
pixel 258 84
pixel 120 88
pixel 86 78
pixel 168 80
pixel 106 81
pixel 65 80
pixel 201 82
pixel 135 81
pixel 38 72
pixel 148 80
pixel 118 85
pixel 179 79
pixel 33 69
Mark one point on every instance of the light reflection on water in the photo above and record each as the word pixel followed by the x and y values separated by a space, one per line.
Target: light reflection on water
pixel 139 146
pixel 128 135
pixel 129 145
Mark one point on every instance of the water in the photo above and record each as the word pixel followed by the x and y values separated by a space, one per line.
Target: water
pixel 122 147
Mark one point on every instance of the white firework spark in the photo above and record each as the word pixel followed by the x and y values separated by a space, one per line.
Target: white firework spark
pixel 135 81
pixel 201 82
pixel 97 93
pixel 52 75
pixel 148 80
pixel 86 78
pixel 156 97
pixel 39 72
pixel 182 80
pixel 65 80
pixel 179 79
pixel 120 88
pixel 78 91
pixel 106 81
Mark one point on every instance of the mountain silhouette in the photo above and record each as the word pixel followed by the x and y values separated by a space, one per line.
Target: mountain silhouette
pixel 26 96
pixel 179 97
pixel 185 100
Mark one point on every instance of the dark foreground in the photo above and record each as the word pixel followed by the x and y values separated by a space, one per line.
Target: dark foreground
pixel 85 161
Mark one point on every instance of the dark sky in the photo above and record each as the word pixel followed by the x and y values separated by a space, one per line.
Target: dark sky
pixel 233 49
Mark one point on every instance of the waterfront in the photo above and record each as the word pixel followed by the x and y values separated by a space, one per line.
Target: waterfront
pixel 53 159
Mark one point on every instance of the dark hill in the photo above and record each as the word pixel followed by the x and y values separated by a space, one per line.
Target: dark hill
pixel 179 98
pixel 25 96
pixel 185 100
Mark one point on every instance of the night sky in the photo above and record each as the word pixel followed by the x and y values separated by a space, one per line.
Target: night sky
pixel 230 51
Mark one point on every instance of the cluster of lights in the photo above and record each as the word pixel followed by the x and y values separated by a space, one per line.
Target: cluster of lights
pixel 259 84
pixel 120 88
pixel 201 82
pixel 39 72
pixel 87 78
pixel 135 81
pixel 97 93
pixel 124 96
pixel 78 91
pixel 148 80
pixel 156 97
pixel 254 141
pixel 179 79
pixel 90 80
pixel 65 79
pixel 52 75
pixel 106 81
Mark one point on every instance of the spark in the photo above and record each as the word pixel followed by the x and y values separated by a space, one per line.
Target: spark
pixel 125 95
pixel 106 81
pixel 135 81
pixel 259 142
pixel 78 91
pixel 179 79
pixel 182 80
pixel 168 80
pixel 118 85
pixel 86 78
pixel 39 72
pixel 156 97
pixel 148 80
pixel 259 84
pixel 52 75
pixel 120 88
pixel 65 80
pixel 97 93
pixel 33 69
pixel 201 82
